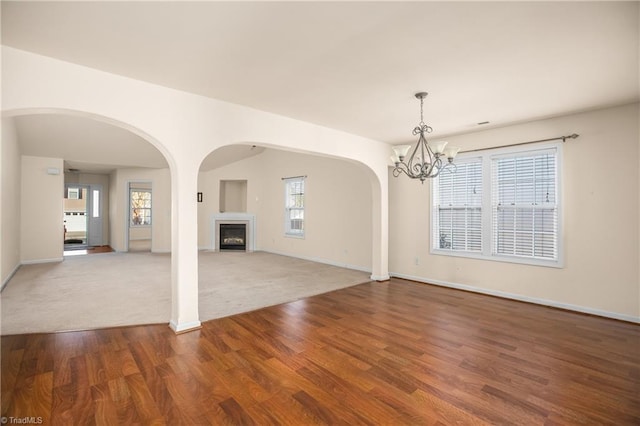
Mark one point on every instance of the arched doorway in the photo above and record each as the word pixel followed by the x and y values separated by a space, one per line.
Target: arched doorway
pixel 59 150
pixel 246 185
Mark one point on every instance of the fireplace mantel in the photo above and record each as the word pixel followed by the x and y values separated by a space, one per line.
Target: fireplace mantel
pixel 247 218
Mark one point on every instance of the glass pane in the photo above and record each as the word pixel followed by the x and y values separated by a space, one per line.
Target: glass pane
pixel 140 207
pixel 95 212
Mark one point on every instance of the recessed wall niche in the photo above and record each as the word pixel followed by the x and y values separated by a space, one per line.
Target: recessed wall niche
pixel 233 196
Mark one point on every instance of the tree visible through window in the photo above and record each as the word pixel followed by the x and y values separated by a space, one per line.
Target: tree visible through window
pixel 140 207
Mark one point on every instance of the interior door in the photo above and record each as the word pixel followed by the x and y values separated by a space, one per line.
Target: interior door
pixel 94 212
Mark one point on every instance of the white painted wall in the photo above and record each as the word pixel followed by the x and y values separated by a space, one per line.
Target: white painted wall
pixel 160 230
pixel 338 206
pixel 10 201
pixel 42 221
pixel 601 220
pixel 233 196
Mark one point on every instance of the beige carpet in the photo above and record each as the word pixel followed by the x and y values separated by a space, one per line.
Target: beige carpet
pixel 114 289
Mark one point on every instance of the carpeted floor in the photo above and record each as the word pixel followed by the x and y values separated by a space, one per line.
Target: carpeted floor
pixel 114 289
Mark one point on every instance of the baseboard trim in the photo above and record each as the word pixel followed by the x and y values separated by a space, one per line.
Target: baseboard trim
pixel 185 327
pixel 6 280
pixel 380 277
pixel 320 260
pixel 37 261
pixel 518 297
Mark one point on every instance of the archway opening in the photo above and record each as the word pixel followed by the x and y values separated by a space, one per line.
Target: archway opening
pixel 329 212
pixel 58 153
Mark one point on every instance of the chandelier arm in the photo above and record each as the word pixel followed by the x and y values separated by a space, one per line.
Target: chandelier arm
pixel 439 169
pixel 397 171
pixel 411 165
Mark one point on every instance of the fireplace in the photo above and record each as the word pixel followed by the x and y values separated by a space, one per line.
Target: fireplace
pixel 233 236
pixel 246 219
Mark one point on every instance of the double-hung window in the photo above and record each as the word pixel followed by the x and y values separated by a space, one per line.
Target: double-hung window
pixel 525 205
pixel 294 206
pixel 458 208
pixel 140 207
pixel 501 204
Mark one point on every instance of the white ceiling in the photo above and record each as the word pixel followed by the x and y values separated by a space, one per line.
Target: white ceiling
pixel 85 144
pixel 355 66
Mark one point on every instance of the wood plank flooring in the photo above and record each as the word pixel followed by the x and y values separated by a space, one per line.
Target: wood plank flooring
pixel 390 353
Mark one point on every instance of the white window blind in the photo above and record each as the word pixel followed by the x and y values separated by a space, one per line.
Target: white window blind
pixel 525 205
pixel 458 208
pixel 501 204
pixel 294 206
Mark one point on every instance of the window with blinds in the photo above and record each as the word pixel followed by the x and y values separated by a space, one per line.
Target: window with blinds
pixel 525 210
pixel 458 207
pixel 501 204
pixel 294 206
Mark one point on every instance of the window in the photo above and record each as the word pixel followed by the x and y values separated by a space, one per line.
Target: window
pixel 95 211
pixel 458 207
pixel 502 205
pixel 74 193
pixel 140 207
pixel 294 206
pixel 525 210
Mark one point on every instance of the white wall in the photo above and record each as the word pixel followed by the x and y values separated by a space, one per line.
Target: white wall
pixel 160 208
pixel 338 205
pixel 233 196
pixel 42 222
pixel 601 220
pixel 10 201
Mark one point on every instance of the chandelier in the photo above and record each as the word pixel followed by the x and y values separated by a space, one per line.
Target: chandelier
pixel 426 160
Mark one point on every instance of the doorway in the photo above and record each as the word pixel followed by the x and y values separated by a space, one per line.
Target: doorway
pixel 82 210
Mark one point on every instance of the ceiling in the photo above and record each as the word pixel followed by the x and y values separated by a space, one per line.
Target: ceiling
pixel 85 144
pixel 355 66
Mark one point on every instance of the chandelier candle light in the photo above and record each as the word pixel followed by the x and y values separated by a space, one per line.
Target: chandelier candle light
pixel 426 159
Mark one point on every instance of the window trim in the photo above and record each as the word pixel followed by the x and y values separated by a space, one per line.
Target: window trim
pixel 487 212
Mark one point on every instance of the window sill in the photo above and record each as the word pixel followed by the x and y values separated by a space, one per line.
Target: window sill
pixel 505 259
pixel 297 236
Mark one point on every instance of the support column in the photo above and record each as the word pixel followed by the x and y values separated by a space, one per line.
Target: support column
pixel 380 222
pixel 184 249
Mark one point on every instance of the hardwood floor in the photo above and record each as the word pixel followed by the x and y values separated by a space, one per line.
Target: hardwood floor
pixel 377 353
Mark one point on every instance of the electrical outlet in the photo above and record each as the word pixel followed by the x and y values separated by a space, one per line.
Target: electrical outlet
pixel 417 261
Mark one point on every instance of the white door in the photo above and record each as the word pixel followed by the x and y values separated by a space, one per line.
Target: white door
pixel 94 211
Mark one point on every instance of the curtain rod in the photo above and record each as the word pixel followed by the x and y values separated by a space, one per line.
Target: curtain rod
pixel 563 138
pixel 294 177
